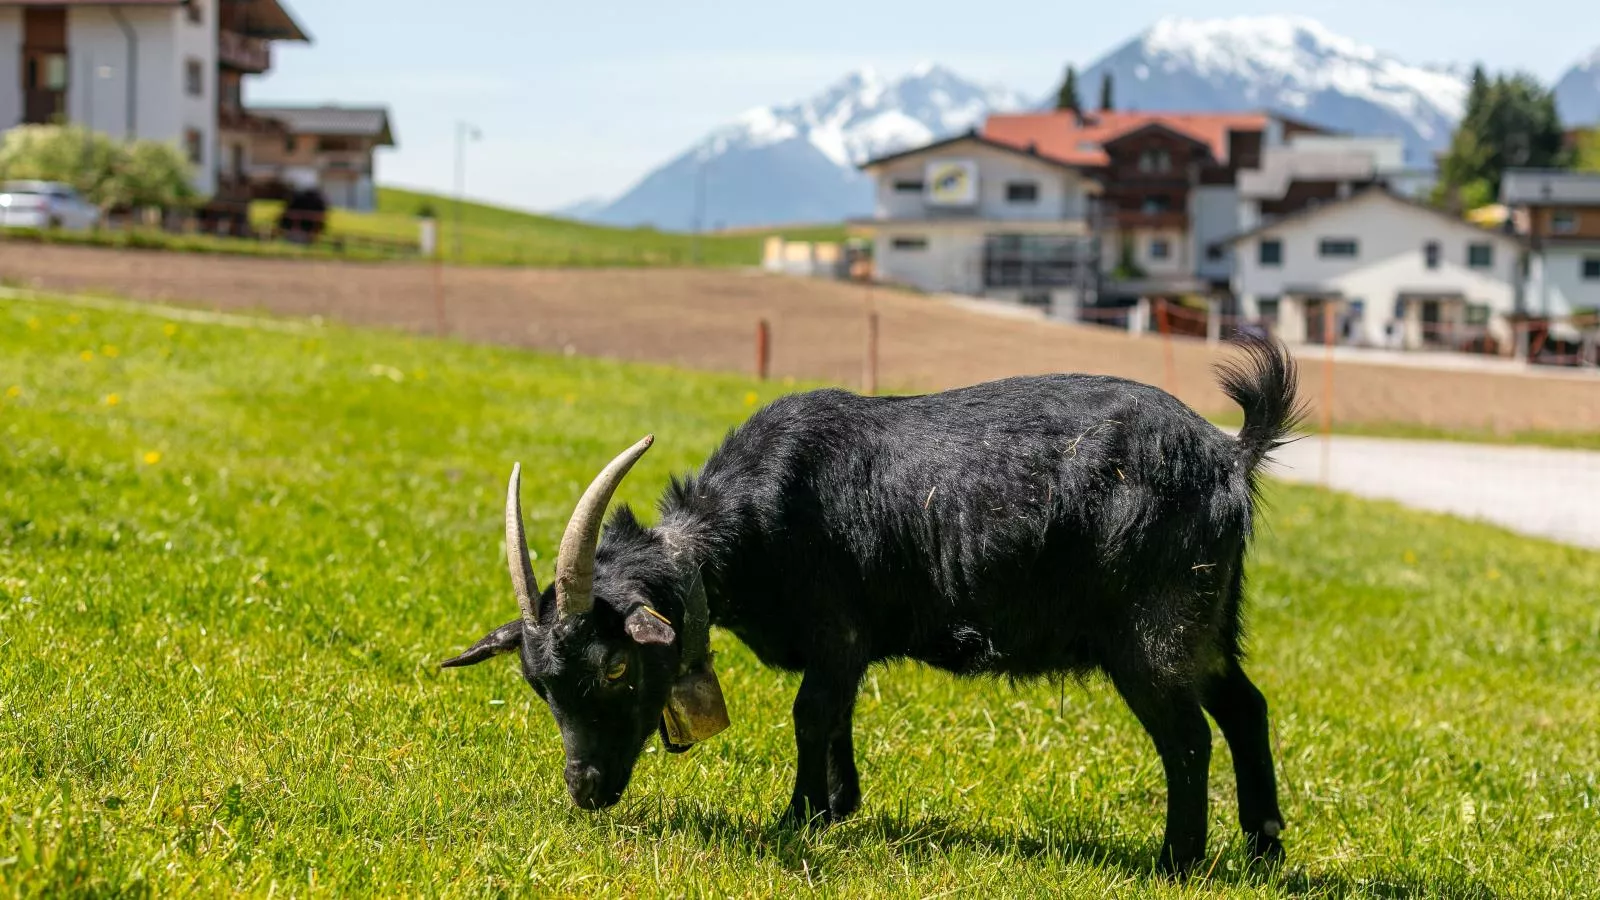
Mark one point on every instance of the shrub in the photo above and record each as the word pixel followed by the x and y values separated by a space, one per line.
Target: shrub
pixel 109 173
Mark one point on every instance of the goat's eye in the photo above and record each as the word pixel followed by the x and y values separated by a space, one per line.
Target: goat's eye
pixel 616 669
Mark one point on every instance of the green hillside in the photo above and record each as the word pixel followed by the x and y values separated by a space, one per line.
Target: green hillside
pixel 494 235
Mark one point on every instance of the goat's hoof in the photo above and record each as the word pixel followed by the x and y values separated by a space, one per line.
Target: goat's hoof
pixel 1265 849
pixel 800 816
pixel 1179 865
pixel 842 806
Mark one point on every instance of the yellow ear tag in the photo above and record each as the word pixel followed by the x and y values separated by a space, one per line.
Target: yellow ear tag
pixel 695 710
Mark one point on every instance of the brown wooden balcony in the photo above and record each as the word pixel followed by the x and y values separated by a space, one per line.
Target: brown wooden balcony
pixel 246 54
pixel 1167 220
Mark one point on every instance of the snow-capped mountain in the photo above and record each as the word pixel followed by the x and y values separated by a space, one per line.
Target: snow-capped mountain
pixel 1291 65
pixel 1578 92
pixel 796 163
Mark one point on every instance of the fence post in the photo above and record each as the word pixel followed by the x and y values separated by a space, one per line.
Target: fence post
pixel 763 349
pixel 869 375
pixel 1213 321
pixel 1164 326
pixel 443 324
pixel 1327 390
pixel 1139 320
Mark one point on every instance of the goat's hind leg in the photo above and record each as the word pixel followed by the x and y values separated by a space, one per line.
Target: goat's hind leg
pixel 1171 714
pixel 1241 712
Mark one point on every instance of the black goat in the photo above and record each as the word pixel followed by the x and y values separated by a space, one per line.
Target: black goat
pixel 1024 527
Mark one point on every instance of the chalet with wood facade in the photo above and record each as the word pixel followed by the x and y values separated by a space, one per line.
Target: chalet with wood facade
pixel 167 70
pixel 329 148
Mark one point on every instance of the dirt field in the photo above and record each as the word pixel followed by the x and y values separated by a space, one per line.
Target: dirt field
pixel 707 319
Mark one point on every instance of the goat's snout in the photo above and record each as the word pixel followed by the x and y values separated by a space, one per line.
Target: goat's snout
pixel 588 788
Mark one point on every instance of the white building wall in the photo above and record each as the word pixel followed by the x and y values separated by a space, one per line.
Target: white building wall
pixel 163 111
pixel 1178 261
pixel 1556 286
pixel 1061 191
pixel 1391 260
pixel 951 262
pixel 198 41
pixel 10 66
pixel 1213 216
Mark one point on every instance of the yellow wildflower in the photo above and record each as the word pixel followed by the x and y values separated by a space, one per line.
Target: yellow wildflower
pixel 87 356
pixel 33 324
pixel 14 391
pixel 169 329
pixel 73 318
pixel 153 457
pixel 750 398
pixel 113 399
pixel 1410 557
pixel 109 351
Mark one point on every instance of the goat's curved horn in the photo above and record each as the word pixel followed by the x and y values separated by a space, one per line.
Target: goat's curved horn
pixel 522 579
pixel 575 562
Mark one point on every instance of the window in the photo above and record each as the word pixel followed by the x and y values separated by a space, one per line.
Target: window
pixel 1155 161
pixel 46 72
pixel 194 145
pixel 1022 192
pixel 1480 256
pixel 1160 248
pixel 1477 314
pixel 1430 254
pixel 1337 248
pixel 194 78
pixel 1271 253
pixel 1155 205
pixel 1563 221
pixel 290 144
pixel 196 11
pixel 1591 268
pixel 908 186
pixel 909 243
pixel 1216 253
pixel 1267 309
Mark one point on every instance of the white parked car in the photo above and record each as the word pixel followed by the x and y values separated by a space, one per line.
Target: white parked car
pixel 45 204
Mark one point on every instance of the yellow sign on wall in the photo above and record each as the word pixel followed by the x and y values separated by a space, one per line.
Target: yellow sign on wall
pixel 952 182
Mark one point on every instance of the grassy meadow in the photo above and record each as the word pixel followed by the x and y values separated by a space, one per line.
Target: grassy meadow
pixel 493 235
pixel 232 554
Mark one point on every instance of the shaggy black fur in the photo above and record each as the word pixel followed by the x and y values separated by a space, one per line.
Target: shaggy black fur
pixel 1027 527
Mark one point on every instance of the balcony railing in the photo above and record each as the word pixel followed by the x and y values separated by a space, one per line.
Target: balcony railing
pixel 247 54
pixel 1038 261
pixel 1164 219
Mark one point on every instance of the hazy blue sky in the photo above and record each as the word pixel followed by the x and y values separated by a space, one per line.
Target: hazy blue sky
pixel 581 98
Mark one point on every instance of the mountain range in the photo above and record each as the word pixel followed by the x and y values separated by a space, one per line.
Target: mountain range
pixel 797 162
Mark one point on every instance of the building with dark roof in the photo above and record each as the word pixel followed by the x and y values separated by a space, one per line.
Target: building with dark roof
pixel 330 148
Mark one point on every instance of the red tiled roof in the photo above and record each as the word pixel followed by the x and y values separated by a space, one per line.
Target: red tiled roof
pixel 1060 136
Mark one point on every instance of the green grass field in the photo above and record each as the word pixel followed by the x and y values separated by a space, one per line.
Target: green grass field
pixel 231 557
pixel 492 235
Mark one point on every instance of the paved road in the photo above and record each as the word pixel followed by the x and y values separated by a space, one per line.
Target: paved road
pixel 1533 490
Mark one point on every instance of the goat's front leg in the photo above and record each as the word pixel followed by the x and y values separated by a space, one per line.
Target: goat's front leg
pixel 822 711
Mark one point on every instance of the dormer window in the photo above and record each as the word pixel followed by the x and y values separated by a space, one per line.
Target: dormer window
pixel 1563 221
pixel 1155 161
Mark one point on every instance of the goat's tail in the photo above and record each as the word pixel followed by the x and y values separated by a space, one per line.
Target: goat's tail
pixel 1265 384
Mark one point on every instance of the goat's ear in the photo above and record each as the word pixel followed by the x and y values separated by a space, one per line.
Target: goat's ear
pixel 648 627
pixel 506 638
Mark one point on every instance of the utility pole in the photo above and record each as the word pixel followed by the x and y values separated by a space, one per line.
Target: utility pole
pixel 699 202
pixel 463 132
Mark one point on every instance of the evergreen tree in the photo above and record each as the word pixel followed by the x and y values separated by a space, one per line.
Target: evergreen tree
pixel 1509 122
pixel 1067 96
pixel 1105 92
